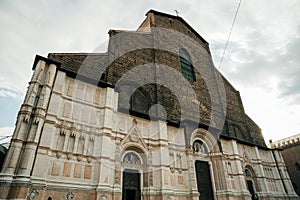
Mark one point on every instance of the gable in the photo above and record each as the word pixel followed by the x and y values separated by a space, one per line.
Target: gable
pixel 162 20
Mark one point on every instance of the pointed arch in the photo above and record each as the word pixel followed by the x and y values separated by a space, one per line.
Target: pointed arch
pixel 133 146
pixel 249 172
pixel 251 181
pixel 133 98
pixel 207 138
pixel 136 149
pixel 139 101
pixel 236 132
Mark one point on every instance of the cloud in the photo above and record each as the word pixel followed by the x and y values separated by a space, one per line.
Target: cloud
pixel 8 88
pixel 9 107
pixel 8 93
pixel 289 84
pixel 5 135
pixel 6 131
pixel 277 69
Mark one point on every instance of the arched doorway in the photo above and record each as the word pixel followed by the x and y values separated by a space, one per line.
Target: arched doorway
pixel 204 180
pixel 131 184
pixel 202 169
pixel 202 143
pixel 250 183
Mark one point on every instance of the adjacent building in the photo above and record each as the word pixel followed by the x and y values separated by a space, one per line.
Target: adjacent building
pixel 151 118
pixel 291 155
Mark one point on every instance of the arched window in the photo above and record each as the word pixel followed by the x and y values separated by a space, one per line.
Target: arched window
pixel 132 99
pixel 250 181
pixel 248 173
pixel 187 68
pixel 140 101
pixel 236 132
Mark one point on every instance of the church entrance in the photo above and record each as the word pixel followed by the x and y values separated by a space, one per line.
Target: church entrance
pixel 204 180
pixel 249 181
pixel 131 185
pixel 251 189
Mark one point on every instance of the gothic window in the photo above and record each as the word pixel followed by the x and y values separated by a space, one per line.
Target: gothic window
pixel 132 158
pixel 248 173
pixel 187 68
pixel 139 102
pixel 71 143
pixel 90 147
pixel 131 99
pixel 60 141
pixel 236 132
pixel 199 147
pixel 230 170
pixel 80 147
pixel 250 181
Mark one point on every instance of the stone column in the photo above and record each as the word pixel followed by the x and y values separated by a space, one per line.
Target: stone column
pixel 239 168
pixel 261 176
pixel 37 122
pixel 160 159
pixel 23 124
pixel 193 190
pixel 218 172
pixel 107 147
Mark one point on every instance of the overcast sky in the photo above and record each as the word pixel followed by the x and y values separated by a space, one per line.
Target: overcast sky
pixel 262 60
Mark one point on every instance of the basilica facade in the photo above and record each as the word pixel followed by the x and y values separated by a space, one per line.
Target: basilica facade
pixel 151 118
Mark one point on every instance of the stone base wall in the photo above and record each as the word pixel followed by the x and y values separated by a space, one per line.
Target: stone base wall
pixel 13 192
pixel 44 193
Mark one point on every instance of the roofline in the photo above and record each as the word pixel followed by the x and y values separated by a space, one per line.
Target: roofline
pixel 244 142
pixel 181 19
pixel 77 54
pixel 47 60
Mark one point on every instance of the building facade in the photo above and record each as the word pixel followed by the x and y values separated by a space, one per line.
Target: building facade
pixel 151 118
pixel 290 151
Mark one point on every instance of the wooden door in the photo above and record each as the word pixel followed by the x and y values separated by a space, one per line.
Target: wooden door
pixel 131 185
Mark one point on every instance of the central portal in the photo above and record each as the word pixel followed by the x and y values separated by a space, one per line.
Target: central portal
pixel 204 180
pixel 251 189
pixel 131 185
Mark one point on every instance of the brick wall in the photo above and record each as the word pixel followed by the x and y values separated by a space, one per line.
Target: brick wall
pixel 152 50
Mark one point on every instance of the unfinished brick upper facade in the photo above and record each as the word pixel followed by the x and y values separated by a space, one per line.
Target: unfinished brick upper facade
pixel 116 66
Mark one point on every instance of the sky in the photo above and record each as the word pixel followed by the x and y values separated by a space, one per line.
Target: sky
pixel 262 60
